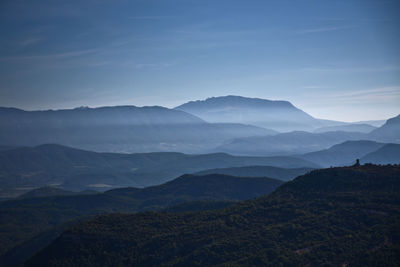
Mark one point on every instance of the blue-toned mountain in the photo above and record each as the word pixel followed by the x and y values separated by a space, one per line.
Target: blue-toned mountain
pixel 278 115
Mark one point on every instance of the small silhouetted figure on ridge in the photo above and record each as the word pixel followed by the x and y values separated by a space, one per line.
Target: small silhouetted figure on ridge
pixel 357 164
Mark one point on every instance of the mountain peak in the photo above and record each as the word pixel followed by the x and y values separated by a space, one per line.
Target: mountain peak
pixel 237 101
pixel 278 115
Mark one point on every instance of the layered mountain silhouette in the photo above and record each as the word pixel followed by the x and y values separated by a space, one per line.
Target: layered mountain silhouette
pixel 120 128
pixel 29 224
pixel 331 217
pixel 346 153
pixel 361 128
pixel 234 121
pixel 299 142
pixel 53 165
pixel 284 174
pixel 287 143
pixel 48 191
pixel 389 132
pixel 387 154
pixel 278 115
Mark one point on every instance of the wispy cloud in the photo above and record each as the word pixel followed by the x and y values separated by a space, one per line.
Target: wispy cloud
pixel 324 29
pixel 351 69
pixel 29 41
pixel 389 92
pixel 351 19
pixel 152 65
pixel 150 17
pixel 314 87
pixel 61 55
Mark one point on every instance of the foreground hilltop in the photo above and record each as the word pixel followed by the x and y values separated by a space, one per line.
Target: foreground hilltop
pixel 31 222
pixel 337 216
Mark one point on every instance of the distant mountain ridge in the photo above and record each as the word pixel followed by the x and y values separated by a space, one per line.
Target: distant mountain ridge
pixel 344 153
pixel 389 132
pixel 113 115
pixel 48 191
pixel 300 142
pixel 75 169
pixel 118 129
pixel 361 128
pixel 259 171
pixel 297 142
pixel 278 115
pixel 387 154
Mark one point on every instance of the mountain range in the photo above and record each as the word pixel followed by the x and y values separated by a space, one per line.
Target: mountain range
pixel 233 124
pixel 69 177
pixel 281 116
pixel 26 168
pixel 287 143
pixel 361 128
pixel 120 128
pixel 345 153
pixel 284 174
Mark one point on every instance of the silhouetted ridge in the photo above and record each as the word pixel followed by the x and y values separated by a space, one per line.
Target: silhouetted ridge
pixel 209 187
pixel 331 217
pixel 344 153
pixel 76 170
pixel 283 174
pixel 30 223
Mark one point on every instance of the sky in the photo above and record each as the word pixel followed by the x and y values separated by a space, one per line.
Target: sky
pixel 335 59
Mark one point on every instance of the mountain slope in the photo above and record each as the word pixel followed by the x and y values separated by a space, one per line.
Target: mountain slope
pixel 277 115
pixel 333 217
pixel 205 187
pixel 388 154
pixel 117 115
pixel 361 128
pixel 259 171
pixel 287 143
pixel 389 132
pixel 24 222
pixel 46 192
pixel 24 169
pixel 344 153
pixel 119 128
pixel 49 191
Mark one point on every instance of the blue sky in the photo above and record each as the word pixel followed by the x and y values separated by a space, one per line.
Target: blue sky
pixel 334 59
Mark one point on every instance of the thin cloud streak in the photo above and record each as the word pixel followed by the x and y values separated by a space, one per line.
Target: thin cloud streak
pixel 51 56
pixel 351 69
pixel 150 17
pixel 29 41
pixel 383 92
pixel 322 30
